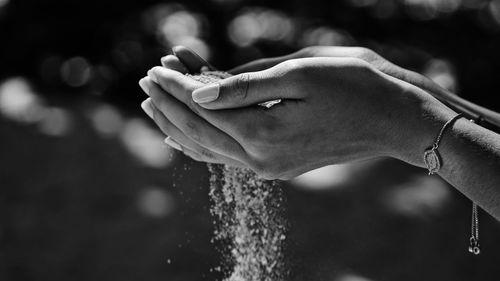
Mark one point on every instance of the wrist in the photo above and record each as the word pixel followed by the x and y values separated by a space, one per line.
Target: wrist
pixel 422 118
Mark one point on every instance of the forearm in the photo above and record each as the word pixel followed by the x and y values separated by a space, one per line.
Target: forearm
pixel 471 163
pixel 470 154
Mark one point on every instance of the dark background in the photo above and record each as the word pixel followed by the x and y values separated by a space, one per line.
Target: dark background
pixel 88 191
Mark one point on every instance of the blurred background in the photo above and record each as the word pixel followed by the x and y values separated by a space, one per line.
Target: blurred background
pixel 88 191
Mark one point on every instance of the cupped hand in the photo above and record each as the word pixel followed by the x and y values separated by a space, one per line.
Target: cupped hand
pixel 333 110
pixel 371 57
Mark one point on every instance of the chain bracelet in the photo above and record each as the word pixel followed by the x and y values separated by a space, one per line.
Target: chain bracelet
pixel 432 159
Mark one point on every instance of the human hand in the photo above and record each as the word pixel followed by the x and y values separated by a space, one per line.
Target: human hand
pixel 194 63
pixel 362 53
pixel 331 113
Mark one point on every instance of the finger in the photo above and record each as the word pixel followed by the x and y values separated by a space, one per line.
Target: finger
pixel 262 64
pixel 175 83
pixel 174 63
pixel 242 90
pixel 172 143
pixel 178 140
pixel 148 109
pixel 190 59
pixel 202 158
pixel 191 125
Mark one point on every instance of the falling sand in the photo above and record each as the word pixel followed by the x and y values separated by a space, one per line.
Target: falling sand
pixel 248 217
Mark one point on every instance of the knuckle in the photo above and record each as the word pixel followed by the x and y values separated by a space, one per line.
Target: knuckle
pixel 294 71
pixel 290 70
pixel 364 53
pixel 291 65
pixel 240 87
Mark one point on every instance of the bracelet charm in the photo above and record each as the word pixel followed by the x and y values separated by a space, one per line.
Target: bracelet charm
pixel 432 160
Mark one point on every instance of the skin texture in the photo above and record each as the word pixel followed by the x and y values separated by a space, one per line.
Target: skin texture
pixel 339 105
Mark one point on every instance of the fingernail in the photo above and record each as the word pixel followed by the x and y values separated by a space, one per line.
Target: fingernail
pixel 146 106
pixel 144 86
pixel 206 94
pixel 167 57
pixel 164 59
pixel 152 76
pixel 172 143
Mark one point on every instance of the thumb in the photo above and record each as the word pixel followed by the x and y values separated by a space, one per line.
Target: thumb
pixel 190 59
pixel 241 90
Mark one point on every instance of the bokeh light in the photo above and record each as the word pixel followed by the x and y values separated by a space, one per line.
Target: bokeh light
pixel 325 36
pixel 146 144
pixel 325 177
pixel 430 9
pixel 423 196
pixel 178 26
pixel 76 71
pixel 255 24
pixel 19 102
pixel 442 72
pixel 155 202
pixel 106 119
pixel 352 277
pixel 494 9
pixel 3 3
pixel 56 122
